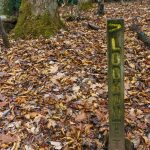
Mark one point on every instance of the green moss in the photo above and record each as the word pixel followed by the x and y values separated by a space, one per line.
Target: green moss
pixel 85 6
pixel 30 26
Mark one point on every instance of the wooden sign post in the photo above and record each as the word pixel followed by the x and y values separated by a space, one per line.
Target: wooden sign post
pixel 115 35
pixel 116 84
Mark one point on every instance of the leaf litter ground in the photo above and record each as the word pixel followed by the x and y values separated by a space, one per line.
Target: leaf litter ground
pixel 53 92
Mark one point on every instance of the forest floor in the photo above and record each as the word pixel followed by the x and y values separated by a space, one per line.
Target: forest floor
pixel 53 92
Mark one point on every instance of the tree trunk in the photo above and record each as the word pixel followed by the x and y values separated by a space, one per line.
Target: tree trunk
pixel 4 35
pixel 101 8
pixel 37 17
pixel 122 1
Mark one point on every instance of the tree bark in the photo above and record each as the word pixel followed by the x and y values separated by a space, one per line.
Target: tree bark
pixel 122 1
pixel 37 17
pixel 101 8
pixel 4 35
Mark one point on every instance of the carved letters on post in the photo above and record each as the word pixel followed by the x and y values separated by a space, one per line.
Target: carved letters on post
pixel 115 84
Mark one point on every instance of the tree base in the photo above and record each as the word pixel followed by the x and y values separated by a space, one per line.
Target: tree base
pixel 4 35
pixel 101 10
pixel 32 26
pixel 128 144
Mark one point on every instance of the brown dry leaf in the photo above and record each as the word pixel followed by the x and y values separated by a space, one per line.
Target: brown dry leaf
pixel 2 104
pixel 16 146
pixel 132 113
pixel 132 65
pixel 7 138
pixel 31 115
pixel 4 146
pixel 54 69
pixel 21 100
pixel 51 123
pixel 69 70
pixel 2 97
pixel 147 118
pixel 81 117
pixel 41 149
pixel 57 145
pixel 147 141
pixel 136 141
pixel 87 128
pixel 2 74
pixel 100 115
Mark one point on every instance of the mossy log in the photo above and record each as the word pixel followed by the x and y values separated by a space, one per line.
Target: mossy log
pixel 4 35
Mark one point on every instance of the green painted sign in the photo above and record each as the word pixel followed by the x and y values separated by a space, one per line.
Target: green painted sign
pixel 115 34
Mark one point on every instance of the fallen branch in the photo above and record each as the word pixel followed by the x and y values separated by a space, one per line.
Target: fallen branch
pixel 76 18
pixel 93 26
pixel 144 38
pixel 140 34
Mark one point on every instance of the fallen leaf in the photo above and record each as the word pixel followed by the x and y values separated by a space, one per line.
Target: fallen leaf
pixel 2 98
pixel 27 147
pixel 2 74
pixel 75 88
pixel 54 69
pixel 51 123
pixel 7 139
pixel 2 104
pixel 81 117
pixel 57 145
pixel 4 113
pixel 100 115
pixel 136 141
pixel 16 146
